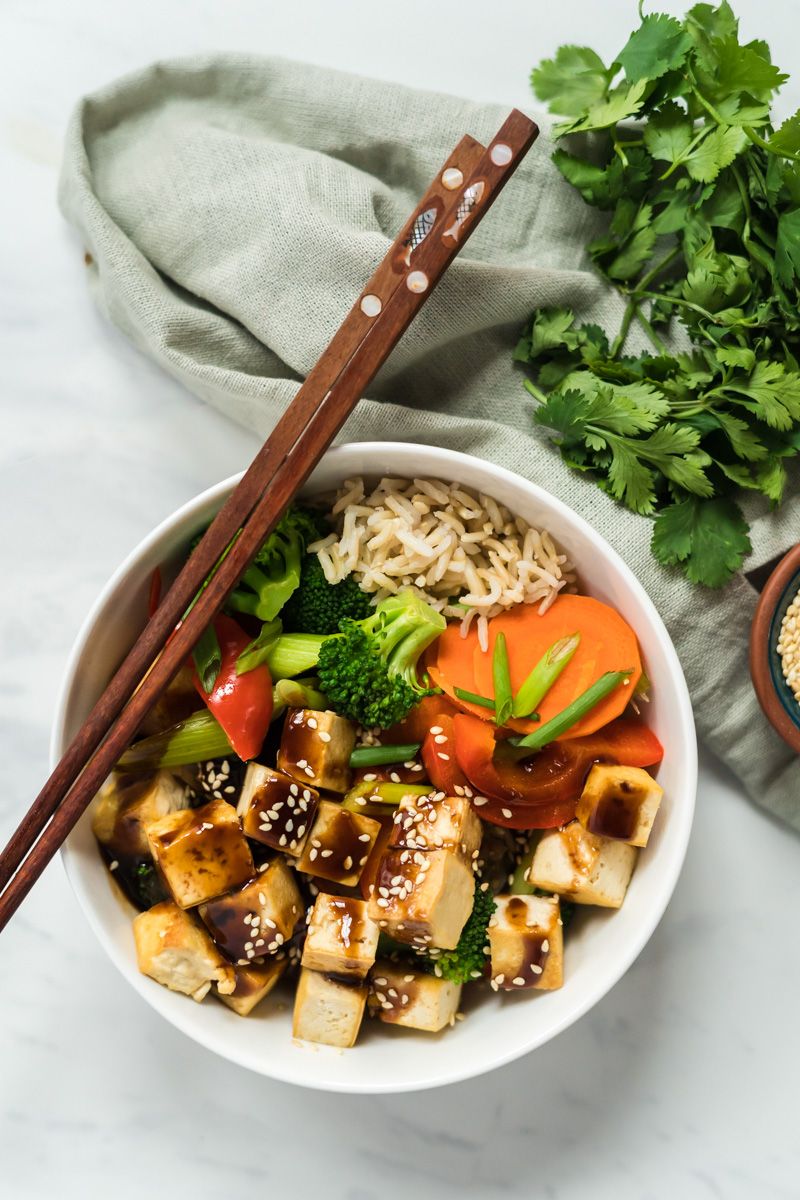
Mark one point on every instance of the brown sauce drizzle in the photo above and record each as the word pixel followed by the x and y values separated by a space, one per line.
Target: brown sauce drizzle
pixel 616 814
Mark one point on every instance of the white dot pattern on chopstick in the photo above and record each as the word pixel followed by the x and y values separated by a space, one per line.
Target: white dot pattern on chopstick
pixel 452 178
pixel 417 281
pixel 371 305
pixel 501 154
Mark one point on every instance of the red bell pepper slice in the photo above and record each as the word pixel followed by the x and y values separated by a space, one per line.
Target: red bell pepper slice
pixel 241 703
pixel 542 792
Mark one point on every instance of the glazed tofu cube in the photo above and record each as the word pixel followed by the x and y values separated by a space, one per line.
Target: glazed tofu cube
pixel 201 852
pixel 173 949
pixel 255 920
pixel 341 937
pixel 252 985
pixel 126 803
pixel 401 996
pixel 326 1010
pixel 526 941
pixel 582 866
pixel 437 822
pixel 316 747
pixel 619 803
pixel 339 844
pixel 276 810
pixel 423 899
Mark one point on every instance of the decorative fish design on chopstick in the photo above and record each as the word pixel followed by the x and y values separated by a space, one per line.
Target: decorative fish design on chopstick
pixel 419 231
pixel 468 203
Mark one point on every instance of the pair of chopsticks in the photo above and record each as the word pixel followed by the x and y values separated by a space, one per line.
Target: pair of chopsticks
pixel 458 198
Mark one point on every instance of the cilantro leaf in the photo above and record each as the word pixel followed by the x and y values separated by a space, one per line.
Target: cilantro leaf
pixel 575 80
pixel 716 151
pixel 707 537
pixel 743 69
pixel 668 133
pixel 621 103
pixel 787 250
pixel 659 45
pixel 787 138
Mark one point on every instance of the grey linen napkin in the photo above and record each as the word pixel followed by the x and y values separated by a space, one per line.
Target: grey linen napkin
pixel 233 208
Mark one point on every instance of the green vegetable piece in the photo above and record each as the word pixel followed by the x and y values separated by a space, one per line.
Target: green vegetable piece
pixel 297 693
pixel 373 799
pixel 318 606
pixel 197 738
pixel 501 677
pixel 207 657
pixel 520 884
pixel 707 537
pixel 659 45
pixel 468 961
pixel 579 707
pixel 473 698
pixel 544 675
pixel 274 574
pixel 379 756
pixel 293 653
pixel 576 79
pixel 260 648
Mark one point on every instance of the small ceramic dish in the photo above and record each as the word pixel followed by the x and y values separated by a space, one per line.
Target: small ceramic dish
pixel 774 694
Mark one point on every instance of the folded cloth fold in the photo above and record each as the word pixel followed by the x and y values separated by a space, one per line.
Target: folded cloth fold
pixel 233 208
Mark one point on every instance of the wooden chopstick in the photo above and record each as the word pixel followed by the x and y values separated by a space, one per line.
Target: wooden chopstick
pixel 461 194
pixel 226 524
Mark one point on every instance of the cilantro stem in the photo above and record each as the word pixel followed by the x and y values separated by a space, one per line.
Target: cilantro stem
pixel 536 392
pixel 657 269
pixel 712 112
pixel 681 159
pixel 737 175
pixel 651 333
pixel 619 340
pixel 757 140
pixel 632 308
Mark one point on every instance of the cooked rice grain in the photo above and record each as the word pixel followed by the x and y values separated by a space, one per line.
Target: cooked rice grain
pixel 443 542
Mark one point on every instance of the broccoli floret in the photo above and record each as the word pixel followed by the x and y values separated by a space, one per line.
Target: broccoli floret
pixel 369 672
pixel 318 606
pixel 274 573
pixel 468 960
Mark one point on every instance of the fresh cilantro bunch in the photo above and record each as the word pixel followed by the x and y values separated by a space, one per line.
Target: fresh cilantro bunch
pixel 703 197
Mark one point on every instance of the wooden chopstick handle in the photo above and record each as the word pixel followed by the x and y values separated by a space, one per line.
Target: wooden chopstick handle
pixel 234 512
pixel 418 258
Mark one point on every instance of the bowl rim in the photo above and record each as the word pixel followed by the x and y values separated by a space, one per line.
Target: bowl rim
pixel 763 632
pixel 378 451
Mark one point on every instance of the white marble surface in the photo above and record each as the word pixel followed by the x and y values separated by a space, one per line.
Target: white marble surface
pixel 682 1082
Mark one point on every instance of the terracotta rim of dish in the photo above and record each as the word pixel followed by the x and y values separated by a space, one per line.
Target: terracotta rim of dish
pixel 760 671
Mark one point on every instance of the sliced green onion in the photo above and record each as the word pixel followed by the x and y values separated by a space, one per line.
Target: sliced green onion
pixel 198 738
pixel 379 756
pixel 260 648
pixel 573 712
pixel 473 698
pixel 544 675
pixel 372 799
pixel 501 677
pixel 520 884
pixel 207 657
pixel 297 693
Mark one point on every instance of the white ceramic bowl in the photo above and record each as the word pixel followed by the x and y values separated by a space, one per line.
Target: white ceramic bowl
pixel 497 1028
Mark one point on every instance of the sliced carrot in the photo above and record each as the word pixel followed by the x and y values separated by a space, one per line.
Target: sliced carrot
pixel 607 644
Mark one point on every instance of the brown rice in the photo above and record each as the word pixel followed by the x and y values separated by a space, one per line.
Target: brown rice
pixel 444 542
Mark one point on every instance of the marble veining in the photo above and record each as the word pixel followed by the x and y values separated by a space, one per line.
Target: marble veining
pixel 682 1082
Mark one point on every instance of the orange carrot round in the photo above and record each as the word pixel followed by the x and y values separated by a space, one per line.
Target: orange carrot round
pixel 607 644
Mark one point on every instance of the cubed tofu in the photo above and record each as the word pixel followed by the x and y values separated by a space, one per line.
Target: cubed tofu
pixel 423 898
pixel 327 1010
pixel 201 852
pixel 126 803
pixel 339 844
pixel 526 942
pixel 582 866
pixel 401 996
pixel 252 985
pixel 342 938
pixel 316 747
pixel 276 810
pixel 437 822
pixel 257 919
pixel 619 803
pixel 175 950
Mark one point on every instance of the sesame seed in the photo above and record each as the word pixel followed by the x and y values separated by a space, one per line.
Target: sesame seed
pixel 112 866
pixel 365 837
pixel 440 738
pixel 479 800
pixel 518 981
pixel 545 946
pixel 324 736
pixel 444 757
pixel 436 729
pixel 537 970
pixel 507 813
pixel 312 722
